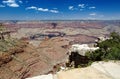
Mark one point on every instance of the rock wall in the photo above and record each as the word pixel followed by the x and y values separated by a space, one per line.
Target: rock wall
pixel 33 61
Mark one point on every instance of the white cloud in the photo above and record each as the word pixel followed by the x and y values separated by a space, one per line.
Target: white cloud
pixel 95 16
pixel 2 6
pixel 13 5
pixel 81 5
pixel 92 14
pixel 71 7
pixel 10 3
pixel 54 11
pixel 93 7
pixel 32 7
pixel 42 9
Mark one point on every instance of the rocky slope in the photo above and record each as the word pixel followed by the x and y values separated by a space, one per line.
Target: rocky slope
pixel 32 61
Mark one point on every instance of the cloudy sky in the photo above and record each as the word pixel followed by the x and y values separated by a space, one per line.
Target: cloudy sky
pixel 59 9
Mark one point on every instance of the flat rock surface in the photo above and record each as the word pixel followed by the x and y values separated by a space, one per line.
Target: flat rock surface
pixel 98 70
pixel 112 69
pixel 49 76
pixel 82 73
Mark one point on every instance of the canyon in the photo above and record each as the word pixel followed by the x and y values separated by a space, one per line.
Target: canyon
pixel 44 45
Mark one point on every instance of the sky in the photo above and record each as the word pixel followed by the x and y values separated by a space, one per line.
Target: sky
pixel 59 9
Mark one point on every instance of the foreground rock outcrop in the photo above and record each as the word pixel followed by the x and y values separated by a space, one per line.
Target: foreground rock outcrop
pixel 98 70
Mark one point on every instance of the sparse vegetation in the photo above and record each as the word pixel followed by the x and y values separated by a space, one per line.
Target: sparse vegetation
pixel 109 49
pixel 2 28
pixel 7 43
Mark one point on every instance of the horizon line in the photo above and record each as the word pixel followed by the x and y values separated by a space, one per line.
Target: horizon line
pixel 67 20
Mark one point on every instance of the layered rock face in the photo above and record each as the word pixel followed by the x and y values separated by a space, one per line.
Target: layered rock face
pixel 32 61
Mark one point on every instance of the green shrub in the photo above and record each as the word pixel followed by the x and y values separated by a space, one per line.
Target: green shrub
pixel 109 49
